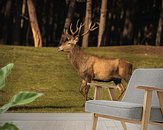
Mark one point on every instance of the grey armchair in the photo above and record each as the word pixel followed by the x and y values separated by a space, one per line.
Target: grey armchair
pixel 141 104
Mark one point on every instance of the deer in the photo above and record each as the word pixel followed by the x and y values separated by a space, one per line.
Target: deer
pixel 90 67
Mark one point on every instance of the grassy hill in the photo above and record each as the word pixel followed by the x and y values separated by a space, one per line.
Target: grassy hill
pixel 50 72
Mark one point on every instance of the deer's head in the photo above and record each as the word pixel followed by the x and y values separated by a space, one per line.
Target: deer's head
pixel 72 38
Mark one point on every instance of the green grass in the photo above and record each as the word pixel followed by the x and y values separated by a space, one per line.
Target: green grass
pixel 50 72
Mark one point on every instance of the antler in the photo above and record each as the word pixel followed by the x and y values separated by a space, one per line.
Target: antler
pixel 80 27
pixel 65 31
pixel 77 28
pixel 91 28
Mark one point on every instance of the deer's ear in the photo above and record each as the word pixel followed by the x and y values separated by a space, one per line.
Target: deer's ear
pixel 76 39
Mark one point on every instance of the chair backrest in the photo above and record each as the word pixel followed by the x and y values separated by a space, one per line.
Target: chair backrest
pixel 143 77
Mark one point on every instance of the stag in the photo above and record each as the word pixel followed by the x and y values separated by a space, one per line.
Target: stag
pixel 92 67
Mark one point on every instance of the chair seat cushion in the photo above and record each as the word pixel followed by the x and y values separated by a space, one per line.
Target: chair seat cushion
pixel 125 110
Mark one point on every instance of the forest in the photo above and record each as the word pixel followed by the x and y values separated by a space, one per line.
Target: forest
pixel 121 22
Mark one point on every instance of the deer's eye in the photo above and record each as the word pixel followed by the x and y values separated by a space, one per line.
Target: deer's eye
pixel 67 38
pixel 69 44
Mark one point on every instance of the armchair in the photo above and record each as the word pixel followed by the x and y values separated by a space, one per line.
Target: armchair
pixel 141 104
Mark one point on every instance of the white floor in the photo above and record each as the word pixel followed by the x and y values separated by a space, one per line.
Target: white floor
pixel 60 121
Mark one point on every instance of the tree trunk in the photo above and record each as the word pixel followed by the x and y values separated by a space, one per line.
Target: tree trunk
pixel 87 22
pixel 6 24
pixel 68 20
pixel 23 13
pixel 127 33
pixel 160 26
pixel 34 24
pixel 16 29
pixel 102 21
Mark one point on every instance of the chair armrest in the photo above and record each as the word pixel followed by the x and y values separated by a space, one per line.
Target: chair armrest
pixel 148 101
pixel 147 88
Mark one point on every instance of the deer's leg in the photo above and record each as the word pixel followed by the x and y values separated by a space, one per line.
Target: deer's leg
pixel 87 76
pixel 82 87
pixel 83 90
pixel 122 89
pixel 87 87
pixel 119 84
pixel 86 92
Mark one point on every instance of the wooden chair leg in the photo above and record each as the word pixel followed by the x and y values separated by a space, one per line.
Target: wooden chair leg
pixel 94 123
pixel 111 94
pixel 146 110
pixel 97 93
pixel 124 125
pixel 160 98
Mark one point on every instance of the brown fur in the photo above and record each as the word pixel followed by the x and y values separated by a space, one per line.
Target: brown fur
pixel 97 68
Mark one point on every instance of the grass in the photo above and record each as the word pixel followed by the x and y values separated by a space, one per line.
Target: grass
pixel 50 72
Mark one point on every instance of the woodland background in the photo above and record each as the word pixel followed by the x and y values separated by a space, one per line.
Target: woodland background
pixel 126 22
